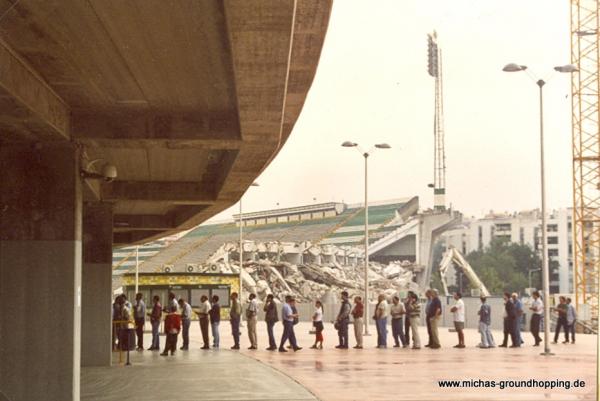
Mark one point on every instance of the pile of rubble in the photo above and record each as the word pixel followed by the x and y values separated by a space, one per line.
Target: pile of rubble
pixel 270 273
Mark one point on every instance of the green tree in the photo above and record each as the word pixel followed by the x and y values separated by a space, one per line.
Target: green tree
pixel 504 266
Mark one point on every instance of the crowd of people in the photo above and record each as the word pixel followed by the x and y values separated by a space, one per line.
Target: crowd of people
pixel 404 317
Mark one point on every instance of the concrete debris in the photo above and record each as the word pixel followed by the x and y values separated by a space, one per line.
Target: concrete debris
pixel 309 271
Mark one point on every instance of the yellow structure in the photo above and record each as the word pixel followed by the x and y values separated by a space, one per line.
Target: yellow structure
pixel 189 286
pixel 586 152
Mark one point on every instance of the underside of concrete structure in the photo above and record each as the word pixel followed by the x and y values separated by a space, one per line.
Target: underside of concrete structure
pixel 121 122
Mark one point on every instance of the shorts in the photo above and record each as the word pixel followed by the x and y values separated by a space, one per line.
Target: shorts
pixel 459 325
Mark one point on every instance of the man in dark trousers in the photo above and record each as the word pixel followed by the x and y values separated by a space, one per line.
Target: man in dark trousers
pixel 271 318
pixel 235 314
pixel 342 321
pixel 510 321
pixel 139 314
pixel 287 317
pixel 202 312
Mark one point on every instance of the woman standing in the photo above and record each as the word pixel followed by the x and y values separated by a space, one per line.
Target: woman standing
pixel 318 325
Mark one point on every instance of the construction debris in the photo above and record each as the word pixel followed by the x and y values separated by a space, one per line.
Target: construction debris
pixel 268 271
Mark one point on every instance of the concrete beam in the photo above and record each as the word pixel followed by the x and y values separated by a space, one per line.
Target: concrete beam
pixel 105 128
pixel 192 193
pixel 30 92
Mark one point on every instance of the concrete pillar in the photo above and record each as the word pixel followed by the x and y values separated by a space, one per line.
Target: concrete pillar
pixel 40 272
pixel 96 285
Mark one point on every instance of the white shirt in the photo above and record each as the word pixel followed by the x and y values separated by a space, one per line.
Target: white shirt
pixel 538 306
pixel 204 307
pixel 383 306
pixel 318 315
pixel 253 306
pixel 459 313
pixel 186 311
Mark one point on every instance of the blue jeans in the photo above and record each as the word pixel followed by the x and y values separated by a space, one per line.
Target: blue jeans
pixel 398 331
pixel 382 332
pixel 288 334
pixel 343 333
pixel 235 330
pixel 155 331
pixel 272 343
pixel 215 333
pixel 186 332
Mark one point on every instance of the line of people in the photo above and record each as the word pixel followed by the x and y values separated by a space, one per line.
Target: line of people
pixel 404 317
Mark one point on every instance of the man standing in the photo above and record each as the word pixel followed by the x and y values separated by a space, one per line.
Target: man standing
pixel 459 319
pixel 139 314
pixel 561 309
pixel 537 310
pixel 342 321
pixel 435 312
pixel 414 313
pixel 155 322
pixel 251 317
pixel 235 313
pixel 357 314
pixel 171 302
pixel 397 311
pixel 271 318
pixel 186 321
pixel 510 320
pixel 407 320
pixel 288 316
pixel 571 319
pixel 429 296
pixel 519 313
pixel 215 319
pixel 202 313
pixel 381 314
pixel 485 320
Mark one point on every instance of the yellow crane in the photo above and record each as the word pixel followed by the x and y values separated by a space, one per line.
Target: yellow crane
pixel 585 89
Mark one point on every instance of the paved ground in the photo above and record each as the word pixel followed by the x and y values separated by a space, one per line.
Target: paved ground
pixel 190 376
pixel 331 374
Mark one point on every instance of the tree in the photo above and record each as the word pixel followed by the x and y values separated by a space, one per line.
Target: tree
pixel 504 266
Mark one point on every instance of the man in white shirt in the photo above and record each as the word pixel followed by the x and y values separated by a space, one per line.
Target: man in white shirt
pixel 381 314
pixel 186 320
pixel 202 313
pixel 537 309
pixel 251 314
pixel 459 319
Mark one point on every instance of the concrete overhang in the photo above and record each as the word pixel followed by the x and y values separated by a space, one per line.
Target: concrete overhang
pixel 190 100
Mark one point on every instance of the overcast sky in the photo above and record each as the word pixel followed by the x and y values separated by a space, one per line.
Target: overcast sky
pixel 372 86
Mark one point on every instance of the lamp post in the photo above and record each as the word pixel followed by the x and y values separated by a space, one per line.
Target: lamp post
pixel 241 251
pixel 349 144
pixel 569 68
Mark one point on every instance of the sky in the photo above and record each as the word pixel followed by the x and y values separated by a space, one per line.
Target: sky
pixel 372 86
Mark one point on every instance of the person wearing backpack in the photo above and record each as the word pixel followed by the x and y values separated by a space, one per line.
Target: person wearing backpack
pixel 342 321
pixel 271 318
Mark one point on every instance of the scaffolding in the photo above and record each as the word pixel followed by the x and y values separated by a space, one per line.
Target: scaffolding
pixel 585 89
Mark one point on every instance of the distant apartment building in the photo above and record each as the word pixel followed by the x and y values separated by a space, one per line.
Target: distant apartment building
pixel 522 228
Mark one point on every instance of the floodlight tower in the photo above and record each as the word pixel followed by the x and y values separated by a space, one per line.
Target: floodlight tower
pixel 434 68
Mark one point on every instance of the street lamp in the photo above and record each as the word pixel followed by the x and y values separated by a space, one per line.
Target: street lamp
pixel 569 68
pixel 349 144
pixel 241 252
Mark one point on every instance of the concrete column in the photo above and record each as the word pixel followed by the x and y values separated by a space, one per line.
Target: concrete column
pixel 40 272
pixel 96 285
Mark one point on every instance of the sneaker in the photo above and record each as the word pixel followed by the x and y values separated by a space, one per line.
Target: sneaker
pixel 282 350
pixel 251 347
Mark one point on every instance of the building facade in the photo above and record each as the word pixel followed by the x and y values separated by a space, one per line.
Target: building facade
pixel 522 228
